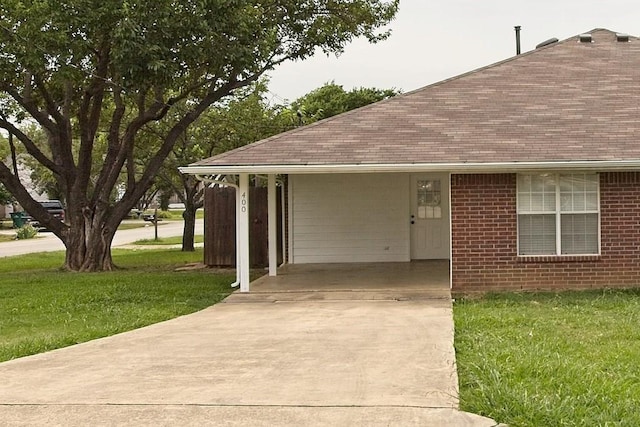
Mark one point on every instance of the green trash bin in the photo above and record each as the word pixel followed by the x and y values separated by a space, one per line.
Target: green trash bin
pixel 19 219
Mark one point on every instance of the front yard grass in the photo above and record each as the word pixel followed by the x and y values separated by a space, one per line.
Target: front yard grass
pixel 7 238
pixel 551 359
pixel 43 308
pixel 175 240
pixel 132 225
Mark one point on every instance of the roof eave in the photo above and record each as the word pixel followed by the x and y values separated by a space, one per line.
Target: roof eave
pixel 497 167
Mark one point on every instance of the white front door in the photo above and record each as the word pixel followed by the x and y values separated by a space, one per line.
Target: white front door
pixel 430 216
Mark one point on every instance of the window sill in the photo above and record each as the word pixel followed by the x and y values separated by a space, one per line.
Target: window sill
pixel 557 258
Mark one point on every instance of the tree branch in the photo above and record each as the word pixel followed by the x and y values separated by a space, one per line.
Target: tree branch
pixel 89 118
pixel 113 143
pixel 31 147
pixel 15 187
pixel 50 105
pixel 30 106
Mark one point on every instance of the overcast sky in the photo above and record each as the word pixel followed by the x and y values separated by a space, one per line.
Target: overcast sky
pixel 433 40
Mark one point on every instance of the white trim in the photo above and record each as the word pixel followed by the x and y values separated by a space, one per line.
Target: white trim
pixel 495 167
pixel 558 214
pixel 272 225
pixel 290 259
pixel 217 180
pixel 450 234
pixel 283 218
pixel 243 232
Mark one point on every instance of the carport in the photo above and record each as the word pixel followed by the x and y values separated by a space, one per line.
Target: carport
pixel 353 281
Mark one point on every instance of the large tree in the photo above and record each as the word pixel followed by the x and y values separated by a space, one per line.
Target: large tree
pixel 92 74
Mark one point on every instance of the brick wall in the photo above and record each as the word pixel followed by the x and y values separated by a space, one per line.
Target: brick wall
pixel 484 238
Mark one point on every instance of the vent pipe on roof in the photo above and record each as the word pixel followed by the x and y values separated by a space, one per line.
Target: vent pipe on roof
pixel 547 43
pixel 622 37
pixel 517 27
pixel 585 38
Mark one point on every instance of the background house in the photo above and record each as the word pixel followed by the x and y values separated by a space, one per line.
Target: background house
pixel 524 174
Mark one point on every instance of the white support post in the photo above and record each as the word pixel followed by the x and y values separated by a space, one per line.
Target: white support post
pixel 238 242
pixel 283 206
pixel 243 232
pixel 273 229
pixel 290 190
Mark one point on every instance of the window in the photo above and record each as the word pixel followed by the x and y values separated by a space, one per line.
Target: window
pixel 558 214
pixel 429 199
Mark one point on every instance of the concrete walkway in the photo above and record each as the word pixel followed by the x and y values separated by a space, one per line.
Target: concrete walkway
pixel 247 362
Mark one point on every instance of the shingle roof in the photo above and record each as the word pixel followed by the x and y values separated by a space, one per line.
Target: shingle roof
pixel 569 101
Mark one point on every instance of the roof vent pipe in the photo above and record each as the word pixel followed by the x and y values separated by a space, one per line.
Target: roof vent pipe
pixel 622 37
pixel 517 28
pixel 585 38
pixel 547 43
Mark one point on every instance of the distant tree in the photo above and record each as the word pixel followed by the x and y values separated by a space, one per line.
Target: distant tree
pixel 5 155
pixel 93 75
pixel 245 118
pixel 5 196
pixel 332 99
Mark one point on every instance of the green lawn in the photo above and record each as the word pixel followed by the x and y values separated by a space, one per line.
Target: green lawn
pixel 131 225
pixel 124 226
pixel 176 240
pixel 7 238
pixel 42 308
pixel 546 359
pixel 174 214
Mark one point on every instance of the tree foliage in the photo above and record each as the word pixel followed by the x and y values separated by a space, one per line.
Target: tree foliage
pixel 242 119
pixel 94 74
pixel 331 99
pixel 5 196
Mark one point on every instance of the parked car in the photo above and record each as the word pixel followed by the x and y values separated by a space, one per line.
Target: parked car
pixel 150 217
pixel 54 207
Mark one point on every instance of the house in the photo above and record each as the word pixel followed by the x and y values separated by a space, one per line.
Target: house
pixel 524 174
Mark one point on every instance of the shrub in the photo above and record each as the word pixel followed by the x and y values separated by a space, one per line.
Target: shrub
pixel 27 231
pixel 165 215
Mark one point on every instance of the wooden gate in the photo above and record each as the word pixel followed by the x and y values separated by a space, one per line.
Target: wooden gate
pixel 220 227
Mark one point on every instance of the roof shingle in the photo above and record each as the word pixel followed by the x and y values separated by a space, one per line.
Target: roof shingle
pixel 570 101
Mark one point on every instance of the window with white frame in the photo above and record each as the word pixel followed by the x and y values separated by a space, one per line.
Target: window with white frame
pixel 558 214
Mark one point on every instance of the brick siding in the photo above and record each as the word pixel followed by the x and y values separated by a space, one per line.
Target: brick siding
pixel 484 238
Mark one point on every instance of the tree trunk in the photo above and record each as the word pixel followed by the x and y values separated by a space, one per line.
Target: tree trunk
pixel 89 246
pixel 188 235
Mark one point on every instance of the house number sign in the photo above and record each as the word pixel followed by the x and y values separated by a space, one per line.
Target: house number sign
pixel 243 202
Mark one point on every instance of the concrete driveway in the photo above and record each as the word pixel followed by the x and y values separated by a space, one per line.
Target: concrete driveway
pixel 248 363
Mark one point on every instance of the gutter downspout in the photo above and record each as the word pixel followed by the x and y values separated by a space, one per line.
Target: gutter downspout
pixel 221 183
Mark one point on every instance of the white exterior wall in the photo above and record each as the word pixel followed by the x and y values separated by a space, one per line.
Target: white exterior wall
pixel 350 218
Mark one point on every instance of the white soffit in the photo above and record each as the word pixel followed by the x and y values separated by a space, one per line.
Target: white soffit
pixel 417 167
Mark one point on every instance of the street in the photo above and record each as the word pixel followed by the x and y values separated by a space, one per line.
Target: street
pixel 48 242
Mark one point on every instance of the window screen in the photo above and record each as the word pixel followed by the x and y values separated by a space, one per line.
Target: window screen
pixel 558 214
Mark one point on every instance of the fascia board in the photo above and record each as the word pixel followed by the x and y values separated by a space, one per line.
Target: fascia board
pixel 498 167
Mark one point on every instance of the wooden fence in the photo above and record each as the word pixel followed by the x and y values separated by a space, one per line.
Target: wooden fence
pixel 220 227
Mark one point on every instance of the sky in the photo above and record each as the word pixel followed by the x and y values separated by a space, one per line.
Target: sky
pixel 432 40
